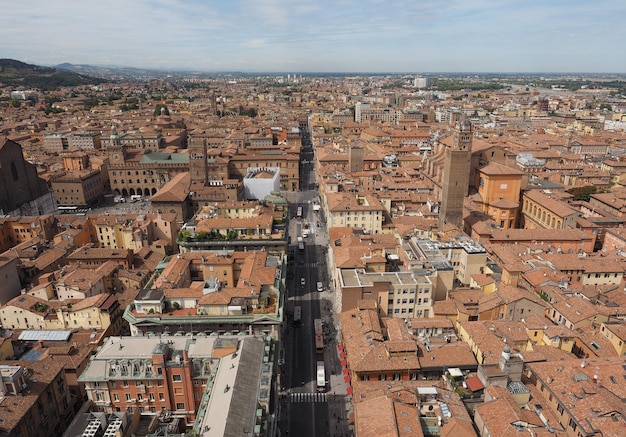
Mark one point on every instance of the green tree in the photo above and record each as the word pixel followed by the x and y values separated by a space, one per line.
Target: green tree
pixel 157 110
pixel 582 193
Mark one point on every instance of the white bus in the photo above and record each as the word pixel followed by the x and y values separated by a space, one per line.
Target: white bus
pixel 321 377
pixel 67 209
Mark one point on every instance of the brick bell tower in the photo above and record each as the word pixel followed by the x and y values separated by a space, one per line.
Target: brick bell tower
pixel 456 173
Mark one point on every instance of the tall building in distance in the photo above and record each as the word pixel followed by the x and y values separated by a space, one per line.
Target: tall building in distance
pixel 456 172
pixel 420 82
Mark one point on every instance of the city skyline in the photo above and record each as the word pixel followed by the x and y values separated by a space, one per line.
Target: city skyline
pixel 325 36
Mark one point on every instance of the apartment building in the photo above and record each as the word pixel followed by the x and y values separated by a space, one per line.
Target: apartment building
pixel 90 257
pixel 36 399
pixel 84 140
pixel 178 375
pixel 16 230
pixel 236 225
pixel 615 332
pixel 387 350
pixel 80 283
pixel 213 293
pixel 136 230
pixel 398 294
pixel 584 395
pixel 101 312
pixel 353 210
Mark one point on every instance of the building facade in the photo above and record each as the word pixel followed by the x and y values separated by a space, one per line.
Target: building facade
pixel 22 191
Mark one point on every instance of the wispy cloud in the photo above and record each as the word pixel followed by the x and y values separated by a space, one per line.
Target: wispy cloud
pixel 325 35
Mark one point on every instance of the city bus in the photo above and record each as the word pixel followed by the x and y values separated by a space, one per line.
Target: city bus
pixel 321 377
pixel 318 329
pixel 297 315
pixel 301 246
pixel 319 344
pixel 67 209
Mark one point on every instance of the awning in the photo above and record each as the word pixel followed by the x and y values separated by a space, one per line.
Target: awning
pixel 349 390
pixel 346 378
pixel 342 355
pixel 340 346
pixel 455 372
pixel 344 363
pixel 346 371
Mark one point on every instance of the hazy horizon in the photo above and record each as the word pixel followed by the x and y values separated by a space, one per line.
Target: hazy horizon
pixel 341 36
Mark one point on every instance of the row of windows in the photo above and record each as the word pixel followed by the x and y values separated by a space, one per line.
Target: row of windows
pixel 357 213
pixel 544 216
pixel 410 291
pixel 394 377
pixel 129 409
pixel 123 181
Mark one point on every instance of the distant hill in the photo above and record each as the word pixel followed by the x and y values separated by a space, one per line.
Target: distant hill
pixel 113 72
pixel 16 73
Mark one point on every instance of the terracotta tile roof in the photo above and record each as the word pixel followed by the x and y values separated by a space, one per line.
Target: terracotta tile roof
pixel 496 169
pixel 510 294
pixel 445 308
pixel 589 403
pixel 483 280
pixel 557 207
pixel 575 309
pixel 499 414
pixel 175 190
pixel 93 301
pixel 378 418
pixel 13 408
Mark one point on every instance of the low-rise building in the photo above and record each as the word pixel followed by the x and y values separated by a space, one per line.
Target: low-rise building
pixel 385 349
pixel 584 395
pixel 615 332
pixel 236 292
pixel 36 399
pixel 90 257
pixel 78 187
pixel 399 294
pixel 352 210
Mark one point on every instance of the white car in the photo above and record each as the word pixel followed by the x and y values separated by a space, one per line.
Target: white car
pixel 320 286
pixel 302 281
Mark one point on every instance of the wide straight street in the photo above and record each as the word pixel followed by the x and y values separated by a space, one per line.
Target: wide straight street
pixel 307 410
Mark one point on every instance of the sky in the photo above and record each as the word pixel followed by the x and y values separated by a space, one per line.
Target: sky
pixel 399 36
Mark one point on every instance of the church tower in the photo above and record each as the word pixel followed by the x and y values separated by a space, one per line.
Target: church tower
pixel 456 173
pixel 198 167
pixel 117 151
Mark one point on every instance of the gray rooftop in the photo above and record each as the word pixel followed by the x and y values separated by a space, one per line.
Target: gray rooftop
pixel 231 408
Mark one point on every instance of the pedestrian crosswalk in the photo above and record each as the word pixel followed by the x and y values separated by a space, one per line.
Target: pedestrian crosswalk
pixel 309 264
pixel 307 397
